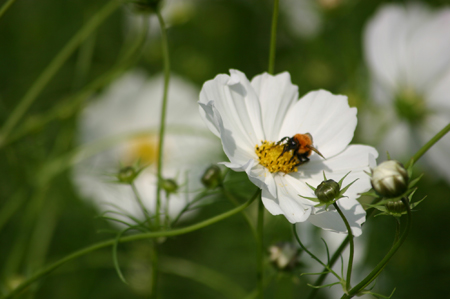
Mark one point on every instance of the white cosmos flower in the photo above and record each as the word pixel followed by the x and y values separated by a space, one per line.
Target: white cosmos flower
pixel 132 104
pixel 244 113
pixel 407 48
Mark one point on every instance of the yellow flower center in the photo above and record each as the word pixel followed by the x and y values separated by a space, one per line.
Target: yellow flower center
pixel 144 149
pixel 269 156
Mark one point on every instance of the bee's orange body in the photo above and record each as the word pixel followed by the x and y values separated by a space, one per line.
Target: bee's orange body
pixel 302 145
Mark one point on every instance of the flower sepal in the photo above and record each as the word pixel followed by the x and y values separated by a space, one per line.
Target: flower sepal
pixel 328 191
pixel 128 174
pixel 395 207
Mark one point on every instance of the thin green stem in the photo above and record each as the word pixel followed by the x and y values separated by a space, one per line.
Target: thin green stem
pixel 352 247
pixel 141 204
pixel 260 250
pixel 327 267
pixel 428 145
pixel 165 51
pixel 332 261
pixel 68 106
pixel 381 265
pixel 149 235
pixel 6 6
pixel 273 37
pixel 34 91
pixel 233 200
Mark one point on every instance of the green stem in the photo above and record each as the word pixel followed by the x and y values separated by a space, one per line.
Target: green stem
pixel 155 270
pixel 131 238
pixel 165 50
pixel 260 250
pixel 375 272
pixel 273 37
pixel 332 261
pixel 68 106
pixel 54 66
pixel 352 247
pixel 428 145
pixel 6 6
pixel 234 201
pixel 141 204
pixel 327 267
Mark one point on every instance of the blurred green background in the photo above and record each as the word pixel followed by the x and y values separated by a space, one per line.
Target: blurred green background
pixel 42 220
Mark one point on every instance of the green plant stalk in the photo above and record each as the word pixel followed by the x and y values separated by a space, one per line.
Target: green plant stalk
pixel 375 272
pixel 6 6
pixel 234 201
pixel 141 204
pixel 352 247
pixel 428 145
pixel 413 160
pixel 273 37
pixel 54 66
pixel 201 274
pixel 327 267
pixel 142 236
pixel 165 50
pixel 72 103
pixel 332 261
pixel 260 250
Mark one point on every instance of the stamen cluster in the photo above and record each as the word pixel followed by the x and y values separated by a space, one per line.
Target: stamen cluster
pixel 269 156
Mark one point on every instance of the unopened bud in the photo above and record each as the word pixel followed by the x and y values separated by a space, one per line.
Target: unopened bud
pixel 127 175
pixel 396 207
pixel 169 185
pixel 212 177
pixel 284 255
pixel 327 191
pixel 390 179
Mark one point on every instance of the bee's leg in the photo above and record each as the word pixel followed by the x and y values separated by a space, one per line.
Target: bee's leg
pixel 285 149
pixel 282 139
pixel 302 160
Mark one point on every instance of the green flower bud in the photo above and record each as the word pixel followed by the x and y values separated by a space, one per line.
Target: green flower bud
pixel 127 175
pixel 212 177
pixel 390 179
pixel 169 185
pixel 327 191
pixel 284 256
pixel 396 207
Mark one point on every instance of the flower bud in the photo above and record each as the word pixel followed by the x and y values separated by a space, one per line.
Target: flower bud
pixel 396 207
pixel 390 179
pixel 127 175
pixel 212 177
pixel 169 185
pixel 327 191
pixel 284 255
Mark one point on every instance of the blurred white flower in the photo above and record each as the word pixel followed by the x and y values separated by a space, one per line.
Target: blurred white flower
pixel 250 117
pixel 130 105
pixel 174 12
pixel 407 49
pixel 304 17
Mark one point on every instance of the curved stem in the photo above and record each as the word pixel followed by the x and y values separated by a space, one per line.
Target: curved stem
pixel 6 6
pixel 260 250
pixel 165 50
pixel 332 261
pixel 55 65
pixel 327 267
pixel 131 238
pixel 375 272
pixel 141 204
pixel 428 145
pixel 352 247
pixel 273 37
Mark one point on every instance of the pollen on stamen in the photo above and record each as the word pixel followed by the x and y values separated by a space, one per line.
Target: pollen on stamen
pixel 269 156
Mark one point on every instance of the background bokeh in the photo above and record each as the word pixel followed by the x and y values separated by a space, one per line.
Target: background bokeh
pixel 43 218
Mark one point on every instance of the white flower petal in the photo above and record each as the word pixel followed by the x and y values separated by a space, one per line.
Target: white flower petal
pixel 331 220
pixel 327 117
pixel 294 207
pixel 277 95
pixel 231 106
